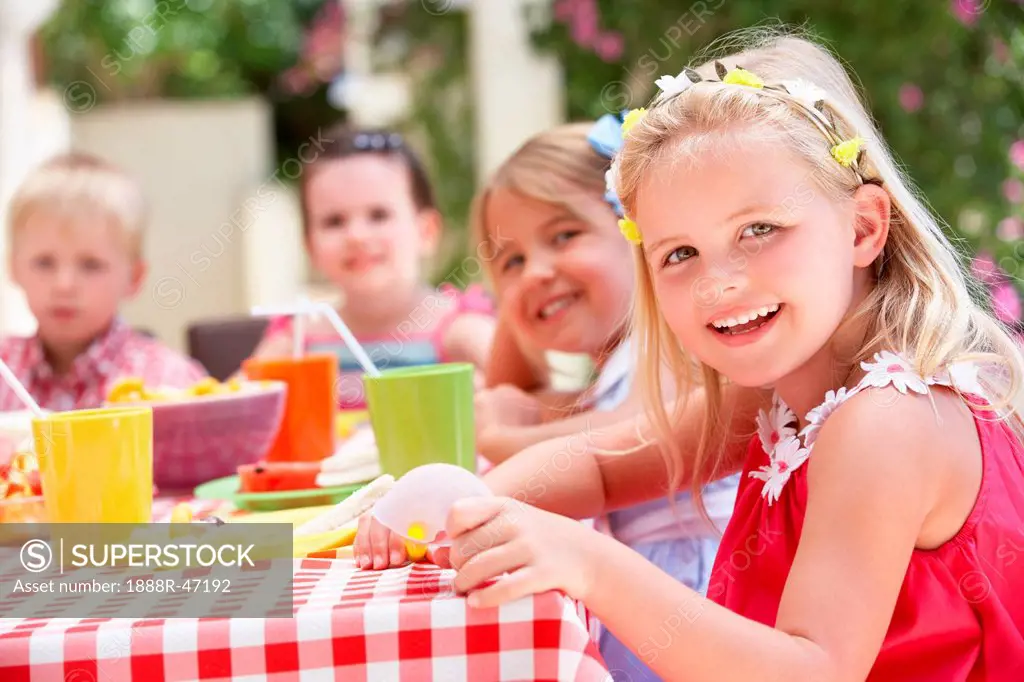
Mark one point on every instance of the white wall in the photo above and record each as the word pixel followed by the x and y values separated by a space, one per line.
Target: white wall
pixel 517 93
pixel 31 127
pixel 199 162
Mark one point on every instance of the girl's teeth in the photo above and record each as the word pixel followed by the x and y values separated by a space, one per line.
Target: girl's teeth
pixel 552 308
pixel 743 319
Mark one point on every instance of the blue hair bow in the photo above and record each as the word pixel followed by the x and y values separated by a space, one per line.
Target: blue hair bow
pixel 606 139
pixel 606 135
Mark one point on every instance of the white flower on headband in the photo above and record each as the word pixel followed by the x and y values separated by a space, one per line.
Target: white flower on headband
pixel 808 93
pixel 673 85
pixel 611 178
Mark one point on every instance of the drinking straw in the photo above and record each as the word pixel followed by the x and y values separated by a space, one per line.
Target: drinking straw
pixel 299 336
pixel 19 390
pixel 305 307
pixel 350 340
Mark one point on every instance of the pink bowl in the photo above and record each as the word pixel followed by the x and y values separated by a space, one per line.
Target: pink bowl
pixel 208 437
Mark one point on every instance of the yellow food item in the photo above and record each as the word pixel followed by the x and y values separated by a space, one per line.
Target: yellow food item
pixel 19 488
pixel 416 550
pixel 304 545
pixel 133 390
pixel 203 387
pixel 347 421
pixel 16 479
pixel 127 389
pixel 296 517
pixel 182 513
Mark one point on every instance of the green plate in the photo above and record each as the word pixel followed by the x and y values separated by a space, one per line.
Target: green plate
pixel 227 489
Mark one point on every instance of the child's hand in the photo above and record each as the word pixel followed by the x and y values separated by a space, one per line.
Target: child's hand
pixel 539 550
pixel 377 547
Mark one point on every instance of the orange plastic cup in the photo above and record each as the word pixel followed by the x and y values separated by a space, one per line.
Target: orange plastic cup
pixel 308 426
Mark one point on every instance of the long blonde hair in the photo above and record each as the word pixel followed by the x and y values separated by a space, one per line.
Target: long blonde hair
pixel 922 304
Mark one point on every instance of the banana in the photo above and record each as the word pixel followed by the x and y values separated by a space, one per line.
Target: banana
pixel 349 509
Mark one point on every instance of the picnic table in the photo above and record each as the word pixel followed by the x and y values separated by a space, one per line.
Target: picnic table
pixel 399 624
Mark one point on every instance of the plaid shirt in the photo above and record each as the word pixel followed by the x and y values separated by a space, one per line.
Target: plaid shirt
pixel 118 353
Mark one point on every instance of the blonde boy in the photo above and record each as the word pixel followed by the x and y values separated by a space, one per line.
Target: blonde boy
pixel 76 228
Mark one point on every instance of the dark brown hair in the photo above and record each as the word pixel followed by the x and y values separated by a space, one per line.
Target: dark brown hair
pixel 343 142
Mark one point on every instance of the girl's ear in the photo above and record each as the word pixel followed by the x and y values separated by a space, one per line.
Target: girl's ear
pixel 872 213
pixel 430 226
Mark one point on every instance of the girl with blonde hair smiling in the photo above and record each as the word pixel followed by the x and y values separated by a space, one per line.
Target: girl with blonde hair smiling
pixel 878 526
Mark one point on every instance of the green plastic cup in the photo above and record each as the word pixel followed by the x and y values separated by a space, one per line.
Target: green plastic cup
pixel 423 415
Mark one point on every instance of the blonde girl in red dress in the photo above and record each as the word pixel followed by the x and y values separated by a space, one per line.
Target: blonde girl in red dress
pixel 879 530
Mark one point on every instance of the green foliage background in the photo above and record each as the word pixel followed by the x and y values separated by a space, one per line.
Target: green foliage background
pixel 123 50
pixel 955 146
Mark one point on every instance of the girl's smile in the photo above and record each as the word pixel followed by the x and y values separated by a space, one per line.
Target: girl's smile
pixel 365 232
pixel 745 274
pixel 359 263
pixel 557 307
pixel 563 278
pixel 744 328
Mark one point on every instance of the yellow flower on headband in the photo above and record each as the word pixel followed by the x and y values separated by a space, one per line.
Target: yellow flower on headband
pixel 629 230
pixel 847 152
pixel 632 118
pixel 740 76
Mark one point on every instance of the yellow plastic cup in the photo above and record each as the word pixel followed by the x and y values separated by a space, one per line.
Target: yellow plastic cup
pixel 96 466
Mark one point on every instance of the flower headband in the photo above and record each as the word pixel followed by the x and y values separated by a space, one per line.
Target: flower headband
pixel 606 139
pixel 808 97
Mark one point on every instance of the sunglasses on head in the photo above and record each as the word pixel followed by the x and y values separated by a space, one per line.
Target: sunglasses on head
pixel 377 141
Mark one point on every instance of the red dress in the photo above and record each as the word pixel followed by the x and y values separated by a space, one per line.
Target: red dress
pixel 960 612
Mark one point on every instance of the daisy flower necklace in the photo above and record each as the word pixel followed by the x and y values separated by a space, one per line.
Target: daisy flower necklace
pixel 787 450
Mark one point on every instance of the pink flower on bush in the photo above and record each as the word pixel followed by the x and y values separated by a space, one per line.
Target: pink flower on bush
pixel 1010 229
pixel 911 97
pixel 1013 190
pixel 321 58
pixel 1006 303
pixel 564 10
pixel 984 268
pixel 609 46
pixel 582 17
pixel 967 11
pixel 1017 154
pixel 584 24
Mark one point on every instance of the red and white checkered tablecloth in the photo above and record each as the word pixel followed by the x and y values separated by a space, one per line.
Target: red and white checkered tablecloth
pixel 400 624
